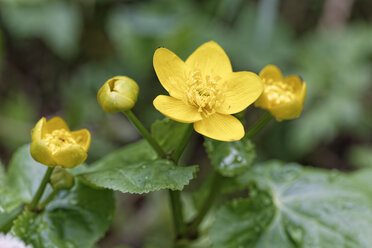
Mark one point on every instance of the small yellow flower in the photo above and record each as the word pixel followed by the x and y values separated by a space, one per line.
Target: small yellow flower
pixel 54 144
pixel 118 94
pixel 282 97
pixel 205 91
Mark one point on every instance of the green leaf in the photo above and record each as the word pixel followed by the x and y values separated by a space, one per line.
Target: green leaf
pixel 22 180
pixel 168 133
pixel 76 218
pixel 24 174
pixel 230 158
pixel 136 169
pixel 292 206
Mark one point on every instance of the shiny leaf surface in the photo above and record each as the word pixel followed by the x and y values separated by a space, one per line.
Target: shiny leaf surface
pixel 136 169
pixel 230 158
pixel 292 206
pixel 76 218
pixel 168 133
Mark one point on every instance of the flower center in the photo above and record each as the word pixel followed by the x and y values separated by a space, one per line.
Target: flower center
pixel 204 93
pixel 278 92
pixel 58 139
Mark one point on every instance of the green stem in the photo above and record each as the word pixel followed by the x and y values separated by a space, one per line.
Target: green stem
pixel 47 200
pixel 40 191
pixel 146 134
pixel 175 196
pixel 217 182
pixel 258 125
pixel 178 220
pixel 184 141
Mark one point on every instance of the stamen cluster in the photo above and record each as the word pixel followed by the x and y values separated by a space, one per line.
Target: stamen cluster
pixel 204 93
pixel 58 139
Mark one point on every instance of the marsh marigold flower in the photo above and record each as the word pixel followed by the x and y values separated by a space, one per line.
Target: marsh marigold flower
pixel 118 94
pixel 282 97
pixel 54 144
pixel 205 91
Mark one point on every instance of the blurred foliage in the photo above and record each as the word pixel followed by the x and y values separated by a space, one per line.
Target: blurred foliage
pixel 55 55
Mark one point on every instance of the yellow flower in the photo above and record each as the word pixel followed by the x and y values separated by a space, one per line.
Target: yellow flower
pixel 118 94
pixel 205 91
pixel 282 97
pixel 54 144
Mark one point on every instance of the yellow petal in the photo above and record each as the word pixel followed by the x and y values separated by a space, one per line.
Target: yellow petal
pixel 70 156
pixel 220 127
pixel 82 138
pixel 294 82
pixel 40 152
pixel 56 123
pixel 210 59
pixel 37 131
pixel 170 70
pixel 302 95
pixel 176 109
pixel 287 111
pixel 241 89
pixel 271 72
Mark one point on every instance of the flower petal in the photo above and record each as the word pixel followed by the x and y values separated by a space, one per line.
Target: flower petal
pixel 241 89
pixel 294 82
pixel 210 58
pixel 37 131
pixel 271 72
pixel 170 70
pixel 40 152
pixel 56 123
pixel 176 109
pixel 298 86
pixel 82 137
pixel 70 156
pixel 287 111
pixel 220 127
pixel 302 95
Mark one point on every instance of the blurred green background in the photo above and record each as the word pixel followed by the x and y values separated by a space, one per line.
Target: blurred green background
pixel 55 55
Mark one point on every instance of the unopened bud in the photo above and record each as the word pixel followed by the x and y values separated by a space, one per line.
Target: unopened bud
pixel 61 179
pixel 118 94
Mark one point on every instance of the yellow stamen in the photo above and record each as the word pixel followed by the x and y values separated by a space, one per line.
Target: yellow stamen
pixel 278 92
pixel 204 93
pixel 58 139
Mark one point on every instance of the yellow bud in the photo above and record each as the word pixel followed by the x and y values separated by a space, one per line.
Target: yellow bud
pixel 282 97
pixel 54 144
pixel 118 94
pixel 61 179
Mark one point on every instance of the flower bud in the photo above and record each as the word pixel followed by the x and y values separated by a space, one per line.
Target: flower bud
pixel 282 97
pixel 54 144
pixel 118 94
pixel 61 179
